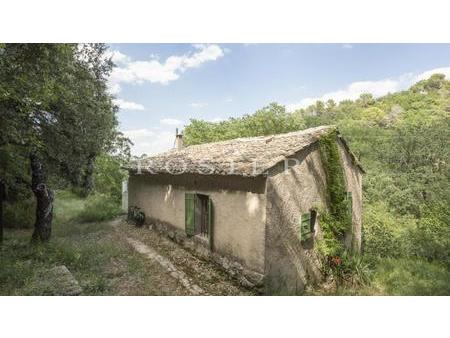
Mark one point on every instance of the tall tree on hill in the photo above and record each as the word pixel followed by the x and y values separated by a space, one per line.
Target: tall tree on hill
pixel 56 117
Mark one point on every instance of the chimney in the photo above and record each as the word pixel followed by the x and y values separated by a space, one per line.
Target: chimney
pixel 178 140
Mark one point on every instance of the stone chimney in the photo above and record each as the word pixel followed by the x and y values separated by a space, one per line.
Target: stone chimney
pixel 178 140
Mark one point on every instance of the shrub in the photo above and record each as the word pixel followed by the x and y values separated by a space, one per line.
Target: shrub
pixel 351 269
pixel 108 176
pixel 20 214
pixel 431 237
pixel 98 208
pixel 378 233
pixel 415 277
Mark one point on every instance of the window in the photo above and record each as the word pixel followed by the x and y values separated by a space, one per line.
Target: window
pixel 307 225
pixel 198 215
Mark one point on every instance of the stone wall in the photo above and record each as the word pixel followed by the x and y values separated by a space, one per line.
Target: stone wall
pixel 291 265
pixel 353 177
pixel 290 193
pixel 239 215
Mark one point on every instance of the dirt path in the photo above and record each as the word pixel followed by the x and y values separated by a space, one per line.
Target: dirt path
pixel 198 277
pixel 166 264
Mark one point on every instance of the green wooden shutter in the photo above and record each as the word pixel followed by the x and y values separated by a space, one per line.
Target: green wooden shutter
pixel 210 222
pixel 305 227
pixel 189 213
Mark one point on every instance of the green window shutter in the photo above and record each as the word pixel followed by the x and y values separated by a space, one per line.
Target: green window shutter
pixel 305 227
pixel 210 222
pixel 189 213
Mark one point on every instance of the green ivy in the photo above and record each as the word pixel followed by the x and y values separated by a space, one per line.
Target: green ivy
pixel 335 222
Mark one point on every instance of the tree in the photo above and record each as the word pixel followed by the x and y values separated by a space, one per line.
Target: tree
pixel 56 114
pixel 272 119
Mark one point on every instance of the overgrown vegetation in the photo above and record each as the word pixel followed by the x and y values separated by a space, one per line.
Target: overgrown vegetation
pixel 337 260
pixel 93 252
pixel 67 142
pixel 402 141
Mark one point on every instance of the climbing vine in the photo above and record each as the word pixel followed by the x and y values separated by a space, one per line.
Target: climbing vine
pixel 335 222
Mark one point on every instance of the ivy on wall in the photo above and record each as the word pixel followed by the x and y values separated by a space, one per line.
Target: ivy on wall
pixel 336 221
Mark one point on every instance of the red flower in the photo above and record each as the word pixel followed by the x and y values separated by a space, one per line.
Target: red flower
pixel 336 260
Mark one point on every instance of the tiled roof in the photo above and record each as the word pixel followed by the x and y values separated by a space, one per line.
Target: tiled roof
pixel 250 156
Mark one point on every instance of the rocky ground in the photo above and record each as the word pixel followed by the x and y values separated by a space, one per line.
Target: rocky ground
pixel 196 276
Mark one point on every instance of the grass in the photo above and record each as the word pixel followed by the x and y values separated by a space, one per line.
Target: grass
pixel 104 264
pixel 398 277
pixel 411 277
pixel 94 252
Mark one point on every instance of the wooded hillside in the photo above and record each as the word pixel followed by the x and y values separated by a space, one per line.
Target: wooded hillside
pixel 402 140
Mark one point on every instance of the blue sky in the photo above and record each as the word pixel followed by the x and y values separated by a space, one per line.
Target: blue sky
pixel 161 86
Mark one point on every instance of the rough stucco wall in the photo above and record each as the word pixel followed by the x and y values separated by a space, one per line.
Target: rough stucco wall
pixel 353 177
pixel 239 216
pixel 290 193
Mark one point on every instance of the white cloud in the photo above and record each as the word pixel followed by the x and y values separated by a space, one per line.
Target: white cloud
pixel 428 73
pixel 128 105
pixel 155 71
pixel 150 141
pixel 118 58
pixel 171 122
pixel 198 104
pixel 376 88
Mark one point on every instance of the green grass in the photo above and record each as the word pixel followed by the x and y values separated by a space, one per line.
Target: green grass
pixel 104 264
pixel 94 252
pixel 398 277
pixel 411 277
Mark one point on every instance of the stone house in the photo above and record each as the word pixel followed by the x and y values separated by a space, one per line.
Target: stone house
pixel 251 204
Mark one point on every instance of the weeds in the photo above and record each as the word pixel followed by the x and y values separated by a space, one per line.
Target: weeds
pixel 98 208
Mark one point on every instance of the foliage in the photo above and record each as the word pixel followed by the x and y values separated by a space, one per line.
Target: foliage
pixel 431 236
pixel 272 119
pixel 350 269
pixel 384 234
pixel 402 141
pixel 413 277
pixel 108 176
pixel 20 214
pixel 336 186
pixel 99 208
pixel 40 90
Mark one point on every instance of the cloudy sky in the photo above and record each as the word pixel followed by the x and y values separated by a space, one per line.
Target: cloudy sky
pixel 161 86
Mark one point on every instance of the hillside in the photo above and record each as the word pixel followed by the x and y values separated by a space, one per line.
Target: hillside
pixel 402 140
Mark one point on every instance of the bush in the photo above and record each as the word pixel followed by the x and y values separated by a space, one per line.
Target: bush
pixel 431 237
pixel 415 277
pixel 20 214
pixel 108 176
pixel 385 234
pixel 351 270
pixel 98 208
pixel 378 234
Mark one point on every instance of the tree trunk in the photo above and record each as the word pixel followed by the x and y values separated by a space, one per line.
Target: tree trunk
pixel 88 182
pixel 44 198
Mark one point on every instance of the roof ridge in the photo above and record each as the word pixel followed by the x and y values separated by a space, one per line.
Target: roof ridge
pixel 249 138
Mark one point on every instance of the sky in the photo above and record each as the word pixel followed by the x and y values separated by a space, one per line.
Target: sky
pixel 160 87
